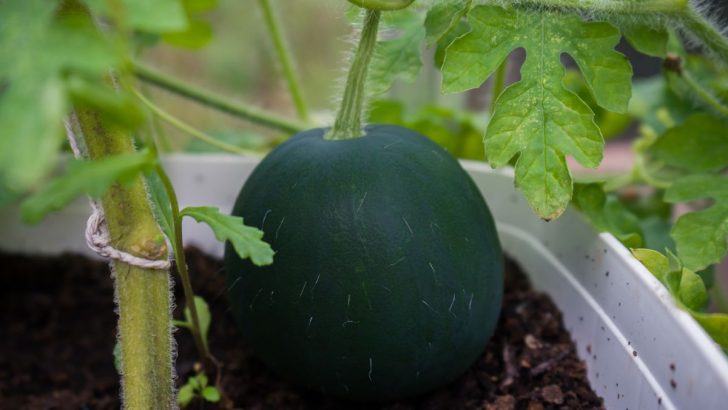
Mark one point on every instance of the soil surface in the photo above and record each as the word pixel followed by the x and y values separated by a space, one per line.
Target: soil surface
pixel 57 330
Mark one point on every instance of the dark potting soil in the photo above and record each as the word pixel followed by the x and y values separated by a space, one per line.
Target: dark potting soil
pixel 57 331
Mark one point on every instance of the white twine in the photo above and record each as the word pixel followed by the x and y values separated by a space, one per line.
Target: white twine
pixel 97 233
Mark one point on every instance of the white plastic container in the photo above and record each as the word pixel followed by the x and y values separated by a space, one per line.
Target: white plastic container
pixel 642 352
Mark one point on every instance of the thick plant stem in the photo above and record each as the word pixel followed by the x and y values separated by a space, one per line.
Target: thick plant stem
pixel 181 260
pixel 706 34
pixel 217 102
pixel 143 295
pixel 348 119
pixel 285 58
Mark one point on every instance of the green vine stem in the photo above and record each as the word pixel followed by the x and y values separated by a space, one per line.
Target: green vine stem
pixel 348 119
pixel 681 11
pixel 499 83
pixel 178 246
pixel 285 58
pixel 217 102
pixel 143 295
pixel 184 127
pixel 703 94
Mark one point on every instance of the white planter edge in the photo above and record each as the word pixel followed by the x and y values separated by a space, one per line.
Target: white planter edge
pixel 641 350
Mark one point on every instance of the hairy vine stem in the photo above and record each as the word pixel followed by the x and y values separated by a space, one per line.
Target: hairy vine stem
pixel 705 96
pixel 614 6
pixel 348 119
pixel 217 102
pixel 680 11
pixel 143 295
pixel 705 33
pixel 285 58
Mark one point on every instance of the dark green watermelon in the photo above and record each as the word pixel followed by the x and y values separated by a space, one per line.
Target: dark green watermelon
pixel 388 274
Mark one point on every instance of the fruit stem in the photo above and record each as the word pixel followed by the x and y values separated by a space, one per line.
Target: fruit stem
pixel 348 119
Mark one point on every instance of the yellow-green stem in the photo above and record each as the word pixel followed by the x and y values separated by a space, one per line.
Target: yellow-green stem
pixel 143 295
pixel 181 260
pixel 348 119
pixel 499 83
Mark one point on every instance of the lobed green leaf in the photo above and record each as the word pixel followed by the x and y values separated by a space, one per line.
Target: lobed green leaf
pixel 646 39
pixel 608 214
pixel 159 16
pixel 39 49
pixel 697 145
pixel 700 236
pixel 398 56
pixel 246 241
pixel 537 118
pixel 443 17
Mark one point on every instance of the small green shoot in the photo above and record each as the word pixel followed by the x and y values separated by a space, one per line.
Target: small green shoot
pixel 197 388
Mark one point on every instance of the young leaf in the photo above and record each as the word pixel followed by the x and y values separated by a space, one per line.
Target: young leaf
pixel 117 356
pixel 197 35
pixel 246 241
pixel 692 290
pixel 716 324
pixel 185 395
pixel 697 145
pixel 211 394
pixel 701 236
pixel 200 381
pixel 160 16
pixel 162 207
pixel 654 261
pixel 85 176
pixel 203 315
pixel 443 17
pixel 608 214
pixel 538 117
pixel 397 57
pixel 198 32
